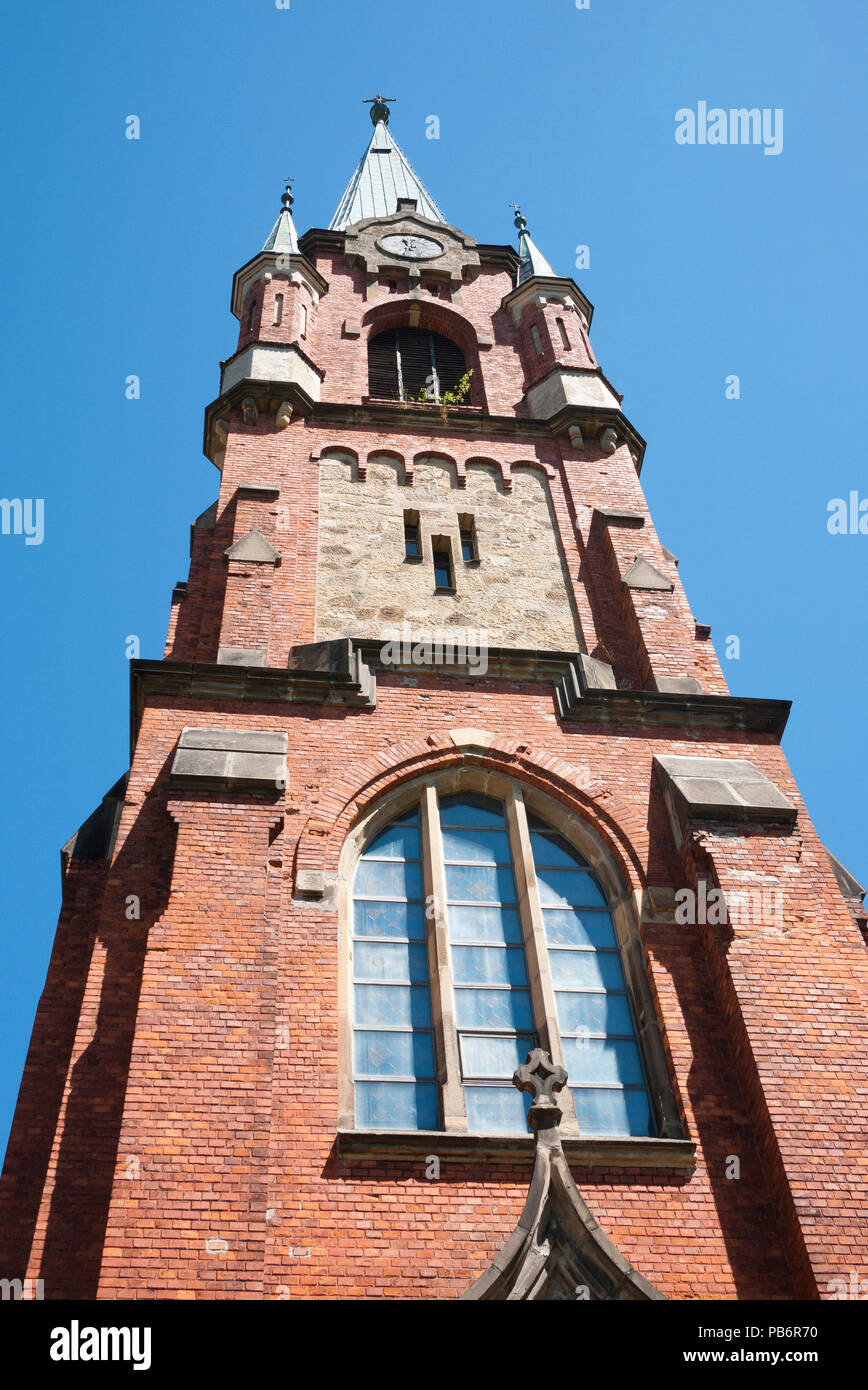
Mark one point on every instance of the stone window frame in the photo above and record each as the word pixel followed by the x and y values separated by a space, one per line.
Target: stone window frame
pixel 441 544
pixel 520 800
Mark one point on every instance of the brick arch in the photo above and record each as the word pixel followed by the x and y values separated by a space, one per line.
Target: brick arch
pixel 326 452
pixel 440 456
pixel 436 317
pixel 537 465
pixel 354 796
pixel 396 457
pixel 502 469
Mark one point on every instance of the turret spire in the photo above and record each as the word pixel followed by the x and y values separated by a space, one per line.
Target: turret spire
pixel 283 238
pixel 533 262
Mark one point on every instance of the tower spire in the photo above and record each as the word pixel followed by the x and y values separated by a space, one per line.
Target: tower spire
pixel 383 175
pixel 379 109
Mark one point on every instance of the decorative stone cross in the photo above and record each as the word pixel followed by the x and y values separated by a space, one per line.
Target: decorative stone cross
pixel 541 1077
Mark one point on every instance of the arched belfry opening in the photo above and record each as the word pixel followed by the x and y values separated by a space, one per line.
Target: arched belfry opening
pixel 414 364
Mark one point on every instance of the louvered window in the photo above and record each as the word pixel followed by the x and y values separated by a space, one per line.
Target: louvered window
pixel 413 364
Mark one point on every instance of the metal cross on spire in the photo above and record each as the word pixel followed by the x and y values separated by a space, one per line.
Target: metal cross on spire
pixel 287 198
pixel 379 109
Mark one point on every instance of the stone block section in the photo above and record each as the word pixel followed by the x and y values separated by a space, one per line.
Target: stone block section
pixel 249 759
pixel 643 575
pixel 339 661
pixel 254 549
pixel 723 789
pixel 678 685
pixel 241 656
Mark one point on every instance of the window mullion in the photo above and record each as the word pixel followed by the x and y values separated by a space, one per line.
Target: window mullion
pixel 536 951
pixel 398 364
pixel 453 1105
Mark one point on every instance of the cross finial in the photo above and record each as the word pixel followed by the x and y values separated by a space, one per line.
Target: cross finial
pixel 519 221
pixel 379 109
pixel 287 198
pixel 542 1077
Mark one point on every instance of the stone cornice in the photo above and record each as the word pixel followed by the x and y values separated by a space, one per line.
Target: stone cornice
pixel 319 239
pixel 678 1154
pixel 554 286
pixel 626 710
pixel 269 395
pixel 278 262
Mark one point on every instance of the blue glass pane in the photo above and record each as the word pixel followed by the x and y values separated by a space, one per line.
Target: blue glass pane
pixel 394 1054
pixel 377 878
pixel 494 1008
pixel 399 1005
pixel 602 1061
pixel 569 927
pixel 594 1013
pixel 389 960
pixel 486 1056
pixel 489 965
pixel 371 918
pixel 569 888
pixel 586 970
pixel 480 846
pixel 475 884
pixel 496 1109
pixel 496 924
pixel 550 849
pixel 466 813
pixel 613 1112
pixel 399 841
pixel 396 1105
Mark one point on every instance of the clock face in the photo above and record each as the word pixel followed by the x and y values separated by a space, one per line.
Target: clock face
pixel 411 247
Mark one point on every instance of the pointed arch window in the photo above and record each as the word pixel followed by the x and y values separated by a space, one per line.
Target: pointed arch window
pixel 413 364
pixel 479 932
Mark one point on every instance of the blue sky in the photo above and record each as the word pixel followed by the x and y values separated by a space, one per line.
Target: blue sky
pixel 705 261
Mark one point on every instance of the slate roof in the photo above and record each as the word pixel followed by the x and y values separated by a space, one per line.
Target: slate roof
pixel 384 174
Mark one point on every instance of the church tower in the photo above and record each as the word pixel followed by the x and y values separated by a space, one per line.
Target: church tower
pixel 438 784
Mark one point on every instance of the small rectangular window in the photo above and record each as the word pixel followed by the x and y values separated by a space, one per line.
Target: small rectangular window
pixel 442 552
pixel 412 548
pixel 278 309
pixel 303 321
pixel 563 332
pixel 467 533
pixel 536 339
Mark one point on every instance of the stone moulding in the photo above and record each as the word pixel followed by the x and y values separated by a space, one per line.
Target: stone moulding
pixel 233 759
pixel 386 1145
pixel 577 697
pixel 557 1252
pixel 719 789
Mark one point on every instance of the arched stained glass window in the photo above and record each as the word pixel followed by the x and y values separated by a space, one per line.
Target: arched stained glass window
pixel 392 1039
pixel 493 1010
pixel 444 1000
pixel 595 1020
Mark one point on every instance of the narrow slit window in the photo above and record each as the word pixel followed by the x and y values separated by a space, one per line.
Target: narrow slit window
pixel 303 321
pixel 251 316
pixel 562 328
pixel 442 565
pixel 278 309
pixel 467 533
pixel 536 339
pixel 412 547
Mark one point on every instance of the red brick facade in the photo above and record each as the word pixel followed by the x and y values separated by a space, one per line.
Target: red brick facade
pixel 176 1133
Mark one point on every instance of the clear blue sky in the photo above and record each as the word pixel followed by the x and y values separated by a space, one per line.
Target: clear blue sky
pixel 705 261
